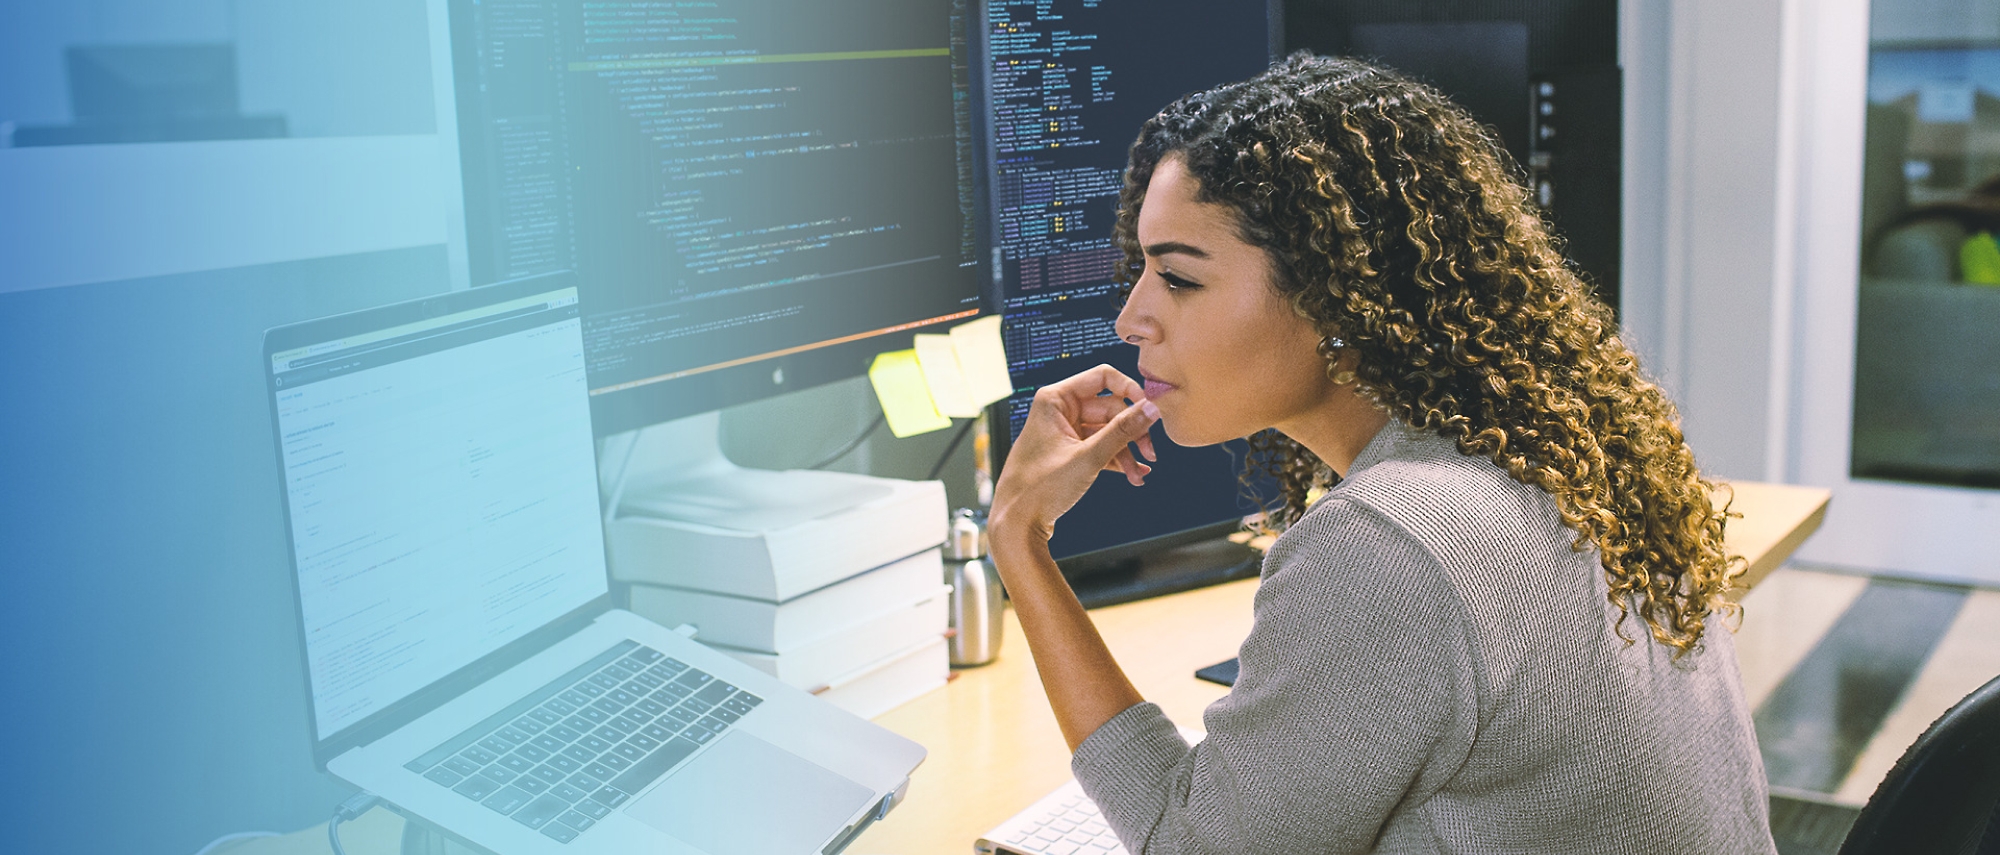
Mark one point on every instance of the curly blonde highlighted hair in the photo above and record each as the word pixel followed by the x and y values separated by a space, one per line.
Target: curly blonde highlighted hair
pixel 1396 223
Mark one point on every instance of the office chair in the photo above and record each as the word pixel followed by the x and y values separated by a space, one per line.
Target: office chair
pixel 1942 795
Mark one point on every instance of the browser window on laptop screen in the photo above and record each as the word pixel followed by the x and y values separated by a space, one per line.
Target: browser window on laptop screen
pixel 441 483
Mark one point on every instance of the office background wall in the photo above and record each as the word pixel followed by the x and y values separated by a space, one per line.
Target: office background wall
pixel 1708 182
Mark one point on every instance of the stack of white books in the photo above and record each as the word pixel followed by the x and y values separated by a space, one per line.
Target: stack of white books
pixel 837 587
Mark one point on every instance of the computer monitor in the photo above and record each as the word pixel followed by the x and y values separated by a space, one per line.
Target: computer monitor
pixel 145 93
pixel 756 195
pixel 1067 83
pixel 1541 74
pixel 150 81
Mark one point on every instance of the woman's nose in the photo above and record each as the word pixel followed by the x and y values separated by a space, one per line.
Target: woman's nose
pixel 1135 324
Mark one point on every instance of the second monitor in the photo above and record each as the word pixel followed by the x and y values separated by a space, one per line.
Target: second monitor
pixel 1067 85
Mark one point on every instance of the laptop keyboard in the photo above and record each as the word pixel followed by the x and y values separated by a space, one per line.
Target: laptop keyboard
pixel 560 759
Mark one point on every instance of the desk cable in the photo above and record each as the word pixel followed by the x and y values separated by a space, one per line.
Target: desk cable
pixel 353 807
pixel 946 456
pixel 847 449
pixel 884 419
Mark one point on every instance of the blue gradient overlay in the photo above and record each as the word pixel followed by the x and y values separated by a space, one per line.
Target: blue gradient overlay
pixel 154 696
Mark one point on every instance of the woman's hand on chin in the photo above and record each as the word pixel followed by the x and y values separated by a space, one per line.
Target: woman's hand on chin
pixel 1076 428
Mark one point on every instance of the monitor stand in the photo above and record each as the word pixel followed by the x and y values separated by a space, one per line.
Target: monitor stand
pixel 1167 571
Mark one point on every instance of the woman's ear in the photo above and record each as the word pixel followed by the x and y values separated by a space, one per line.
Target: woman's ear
pixel 1340 359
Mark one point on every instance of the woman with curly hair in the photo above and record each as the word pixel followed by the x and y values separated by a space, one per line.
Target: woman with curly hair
pixel 1496 630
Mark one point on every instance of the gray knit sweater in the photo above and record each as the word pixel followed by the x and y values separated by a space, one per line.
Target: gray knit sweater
pixel 1433 669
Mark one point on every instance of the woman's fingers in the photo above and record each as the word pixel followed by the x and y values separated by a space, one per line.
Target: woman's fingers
pixel 1099 395
pixel 1134 471
pixel 1076 428
pixel 1103 410
pixel 1099 410
pixel 1124 461
pixel 1096 381
pixel 1127 427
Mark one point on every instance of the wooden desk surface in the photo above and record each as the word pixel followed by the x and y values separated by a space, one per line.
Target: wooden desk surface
pixel 994 745
pixel 1776 519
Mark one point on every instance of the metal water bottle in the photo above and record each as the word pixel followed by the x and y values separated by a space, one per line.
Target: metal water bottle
pixel 976 597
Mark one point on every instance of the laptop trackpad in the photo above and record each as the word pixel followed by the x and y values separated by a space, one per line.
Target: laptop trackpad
pixel 746 796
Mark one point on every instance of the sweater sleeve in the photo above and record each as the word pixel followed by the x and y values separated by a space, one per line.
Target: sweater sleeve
pixel 1357 698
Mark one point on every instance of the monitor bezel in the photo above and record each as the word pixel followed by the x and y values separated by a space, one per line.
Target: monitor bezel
pixel 624 411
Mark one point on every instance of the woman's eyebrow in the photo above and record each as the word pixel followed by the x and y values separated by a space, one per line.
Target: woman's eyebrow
pixel 1173 246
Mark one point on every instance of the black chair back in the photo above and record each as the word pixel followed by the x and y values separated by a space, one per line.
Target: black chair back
pixel 1943 794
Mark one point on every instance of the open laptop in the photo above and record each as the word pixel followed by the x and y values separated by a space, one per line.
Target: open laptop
pixel 463 658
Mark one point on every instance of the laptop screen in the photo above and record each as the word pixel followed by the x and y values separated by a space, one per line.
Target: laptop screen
pixel 441 481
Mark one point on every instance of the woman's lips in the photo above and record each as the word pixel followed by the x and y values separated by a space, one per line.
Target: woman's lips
pixel 1156 388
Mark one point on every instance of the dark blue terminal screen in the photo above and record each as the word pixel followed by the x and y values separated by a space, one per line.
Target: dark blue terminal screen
pixel 1068 83
pixel 731 180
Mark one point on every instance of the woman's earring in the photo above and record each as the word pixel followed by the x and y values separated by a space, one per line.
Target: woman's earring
pixel 1330 349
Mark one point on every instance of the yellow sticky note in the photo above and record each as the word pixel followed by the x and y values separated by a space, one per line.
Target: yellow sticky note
pixel 906 399
pixel 1979 260
pixel 947 383
pixel 983 359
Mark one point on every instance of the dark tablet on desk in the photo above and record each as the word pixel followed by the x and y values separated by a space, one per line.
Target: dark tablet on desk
pixel 1220 672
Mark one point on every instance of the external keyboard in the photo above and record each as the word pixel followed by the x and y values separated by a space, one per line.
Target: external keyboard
pixel 1065 822
pixel 560 759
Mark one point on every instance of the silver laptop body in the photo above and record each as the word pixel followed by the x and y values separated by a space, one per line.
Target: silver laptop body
pixel 463 659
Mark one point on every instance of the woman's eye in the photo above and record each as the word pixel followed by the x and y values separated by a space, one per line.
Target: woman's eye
pixel 1175 282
